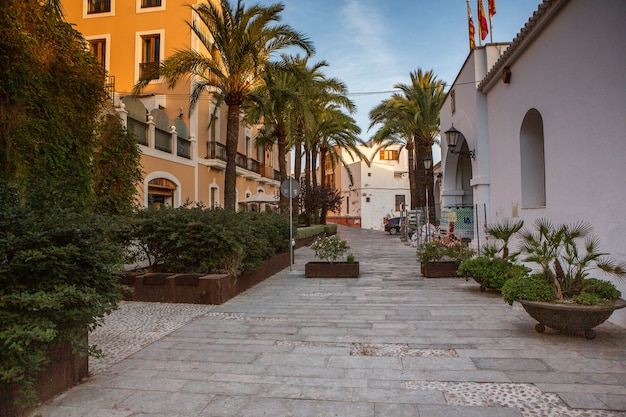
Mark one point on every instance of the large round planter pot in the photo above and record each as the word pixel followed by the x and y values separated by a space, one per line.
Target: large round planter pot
pixel 570 318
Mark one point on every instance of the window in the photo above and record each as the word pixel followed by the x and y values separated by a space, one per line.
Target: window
pixel 98 6
pixel 98 50
pixel 150 3
pixel 386 155
pixel 150 56
pixel 161 193
pixel 452 102
pixel 533 161
pixel 214 197
pixel 400 202
pixel 148 6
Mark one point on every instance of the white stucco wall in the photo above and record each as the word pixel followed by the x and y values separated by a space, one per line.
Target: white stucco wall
pixel 378 183
pixel 573 74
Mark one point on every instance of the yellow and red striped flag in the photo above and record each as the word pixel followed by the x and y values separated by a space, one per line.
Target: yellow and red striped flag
pixel 482 21
pixel 492 8
pixel 472 29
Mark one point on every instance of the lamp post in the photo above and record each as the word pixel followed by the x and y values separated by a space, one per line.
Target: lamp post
pixel 452 138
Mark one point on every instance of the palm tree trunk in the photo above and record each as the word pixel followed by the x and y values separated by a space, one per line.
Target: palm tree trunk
pixel 420 174
pixel 314 167
pixel 412 179
pixel 298 161
pixel 307 181
pixel 232 140
pixel 320 215
pixel 282 164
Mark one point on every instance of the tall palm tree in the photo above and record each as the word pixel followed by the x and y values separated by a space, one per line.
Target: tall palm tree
pixel 426 92
pixel 240 42
pixel 411 118
pixel 333 133
pixel 272 105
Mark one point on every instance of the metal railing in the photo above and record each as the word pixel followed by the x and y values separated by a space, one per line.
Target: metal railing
pixel 254 165
pixel 139 129
pixel 163 140
pixel 149 68
pixel 215 150
pixel 183 148
pixel 241 160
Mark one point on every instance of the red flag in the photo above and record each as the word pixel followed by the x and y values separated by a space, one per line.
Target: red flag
pixel 492 8
pixel 472 29
pixel 482 21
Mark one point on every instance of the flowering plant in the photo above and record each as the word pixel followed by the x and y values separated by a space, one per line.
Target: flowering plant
pixel 330 248
pixel 440 251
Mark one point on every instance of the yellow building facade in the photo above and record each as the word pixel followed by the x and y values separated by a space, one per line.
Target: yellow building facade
pixel 183 155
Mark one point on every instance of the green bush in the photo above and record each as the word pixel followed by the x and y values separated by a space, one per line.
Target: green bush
pixel 330 248
pixel 531 288
pixel 310 231
pixel 587 299
pixel 603 289
pixel 490 272
pixel 57 280
pixel 438 251
pixel 197 239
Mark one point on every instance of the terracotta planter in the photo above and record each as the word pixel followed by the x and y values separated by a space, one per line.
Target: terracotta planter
pixel 570 318
pixel 331 270
pixel 439 269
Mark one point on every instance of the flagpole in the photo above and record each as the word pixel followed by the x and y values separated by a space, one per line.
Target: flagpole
pixel 480 41
pixel 490 30
pixel 471 28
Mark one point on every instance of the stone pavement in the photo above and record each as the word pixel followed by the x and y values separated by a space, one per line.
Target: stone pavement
pixel 390 343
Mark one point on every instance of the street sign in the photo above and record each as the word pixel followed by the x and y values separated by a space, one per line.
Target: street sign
pixel 290 185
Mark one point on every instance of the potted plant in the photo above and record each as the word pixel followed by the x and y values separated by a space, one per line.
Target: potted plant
pixel 496 264
pixel 562 295
pixel 440 258
pixel 330 249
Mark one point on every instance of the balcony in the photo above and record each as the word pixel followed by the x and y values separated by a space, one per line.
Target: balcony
pixel 183 148
pixel 246 166
pixel 163 140
pixel 140 130
pixel 216 155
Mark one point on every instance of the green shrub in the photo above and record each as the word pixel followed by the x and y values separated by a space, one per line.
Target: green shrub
pixel 531 288
pixel 603 289
pixel 310 231
pixel 57 280
pixel 491 272
pixel 438 251
pixel 330 248
pixel 195 239
pixel 587 299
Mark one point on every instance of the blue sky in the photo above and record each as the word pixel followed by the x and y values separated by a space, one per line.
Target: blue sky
pixel 371 45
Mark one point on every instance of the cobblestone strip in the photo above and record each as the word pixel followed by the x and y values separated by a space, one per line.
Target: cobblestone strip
pixel 135 325
pixel 527 398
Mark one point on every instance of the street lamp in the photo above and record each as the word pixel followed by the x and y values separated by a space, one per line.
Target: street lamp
pixel 428 163
pixel 452 137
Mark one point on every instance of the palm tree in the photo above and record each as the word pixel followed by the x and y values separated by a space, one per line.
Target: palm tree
pixel 334 132
pixel 411 118
pixel 272 105
pixel 240 42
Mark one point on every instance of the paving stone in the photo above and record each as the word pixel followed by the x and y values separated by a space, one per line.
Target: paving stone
pixel 390 343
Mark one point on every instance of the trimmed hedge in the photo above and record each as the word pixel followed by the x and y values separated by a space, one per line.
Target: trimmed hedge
pixel 200 240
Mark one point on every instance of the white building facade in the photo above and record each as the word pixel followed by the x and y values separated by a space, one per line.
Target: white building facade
pixel 379 189
pixel 546 120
